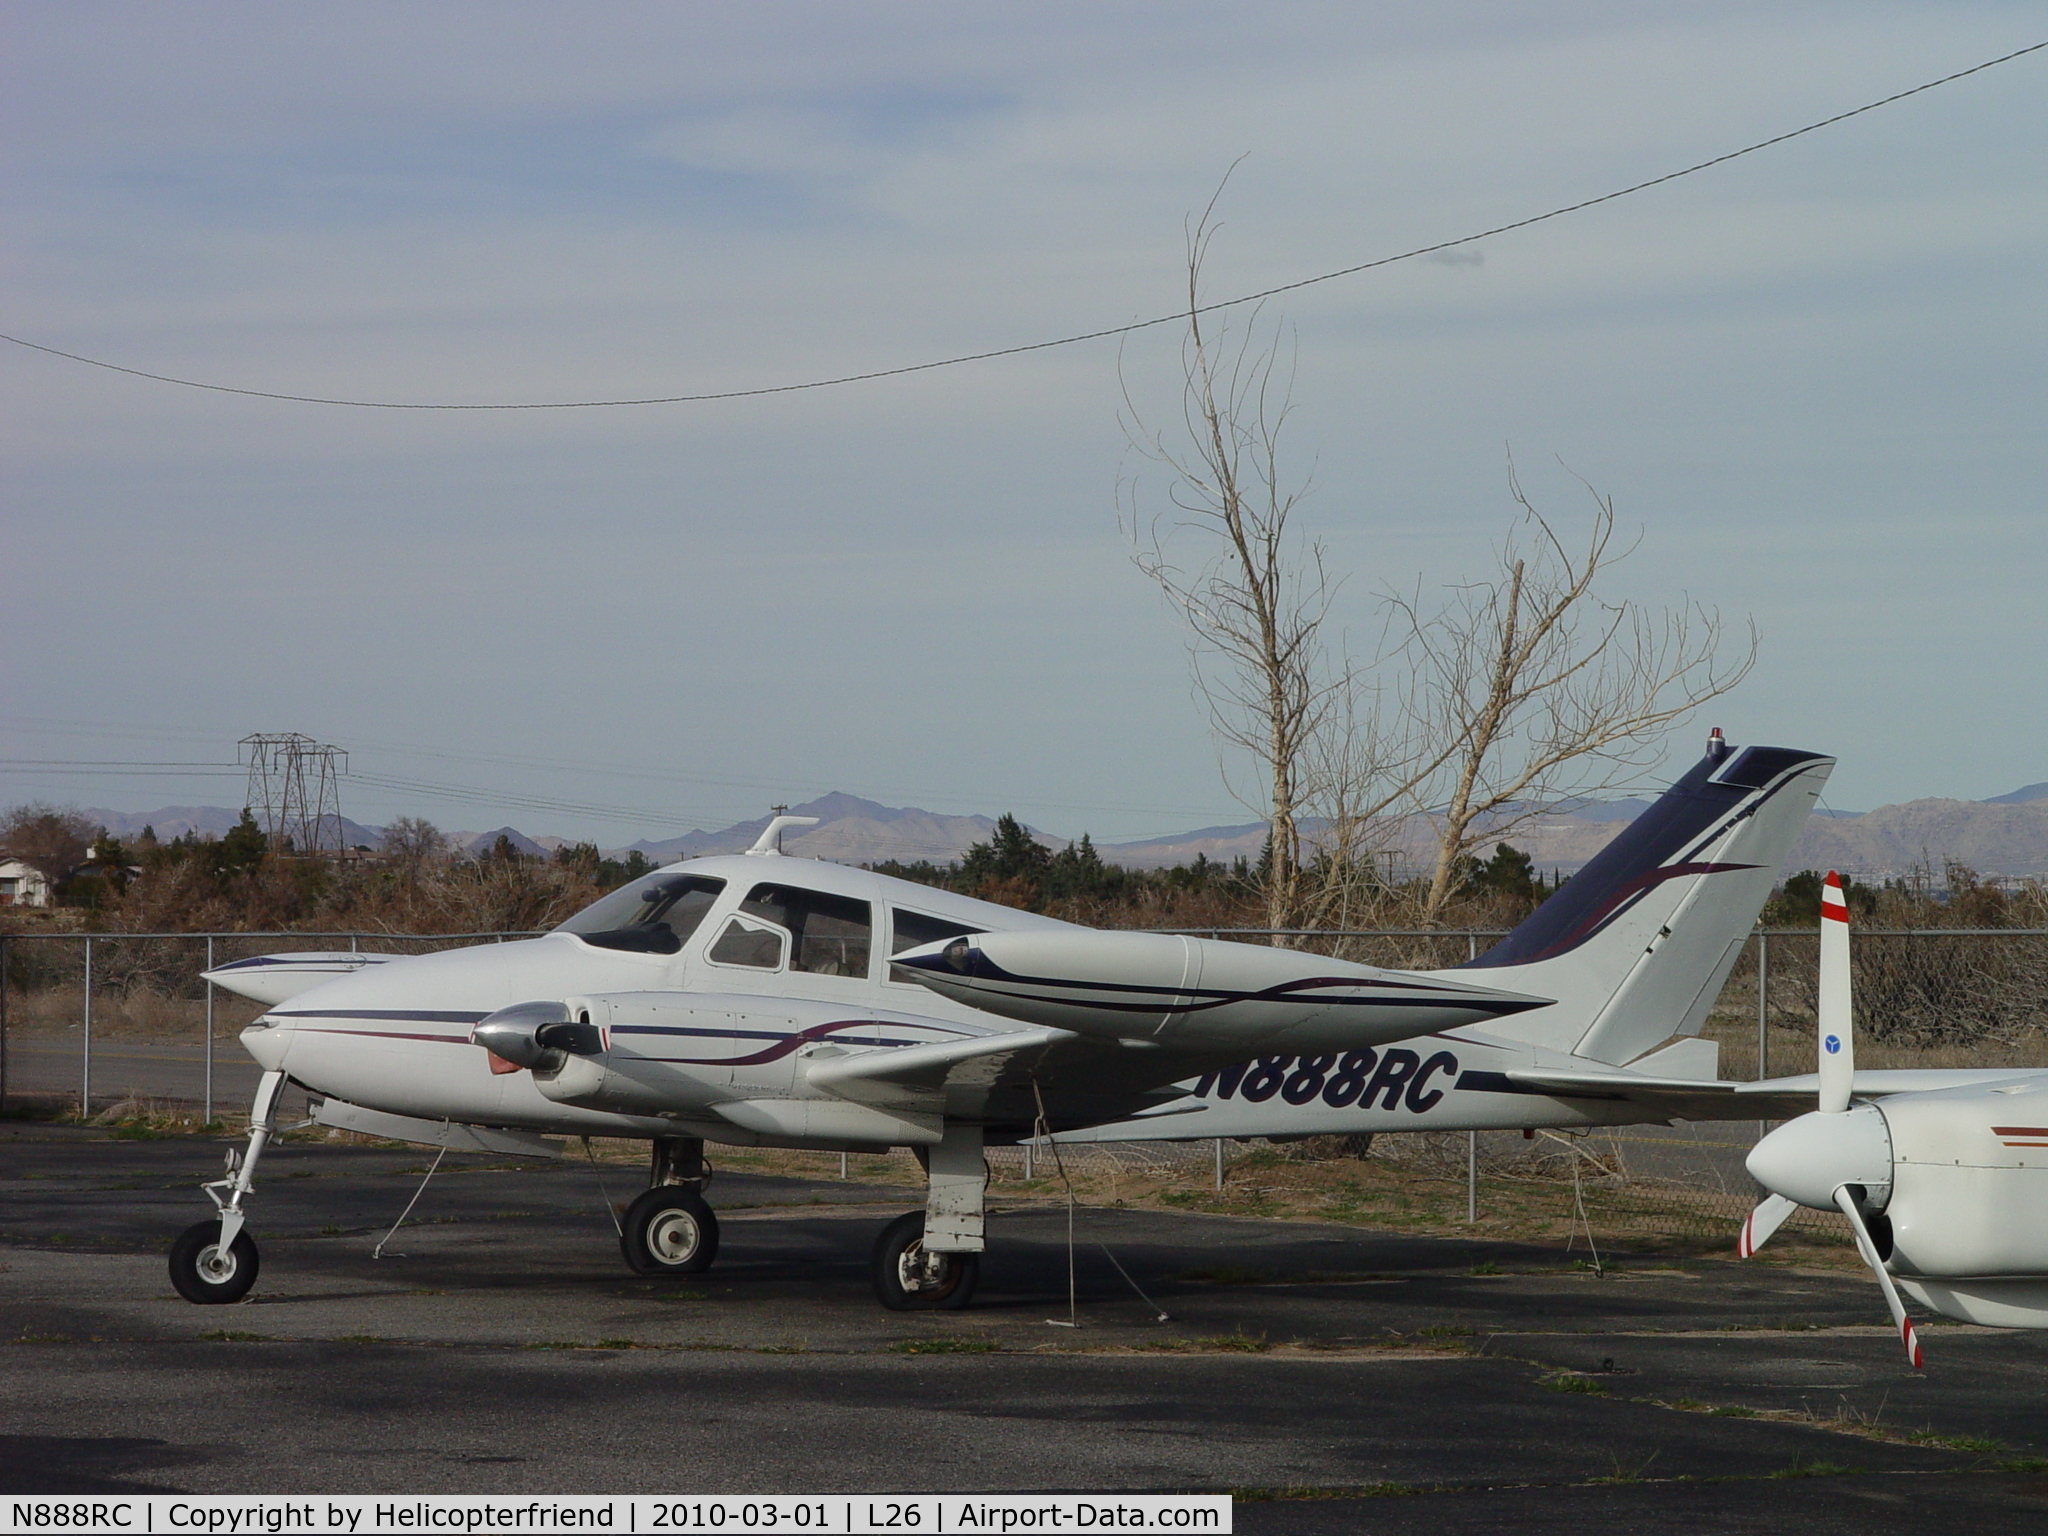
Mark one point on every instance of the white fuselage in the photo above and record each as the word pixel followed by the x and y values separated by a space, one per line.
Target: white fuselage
pixel 396 1036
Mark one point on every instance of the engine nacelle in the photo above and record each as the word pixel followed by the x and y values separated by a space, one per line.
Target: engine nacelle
pixel 670 1068
pixel 1969 1193
pixel 1204 993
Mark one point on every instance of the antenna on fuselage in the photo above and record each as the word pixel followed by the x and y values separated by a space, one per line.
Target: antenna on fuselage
pixel 769 843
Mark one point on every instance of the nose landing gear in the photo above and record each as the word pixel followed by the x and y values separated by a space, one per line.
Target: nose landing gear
pixel 215 1261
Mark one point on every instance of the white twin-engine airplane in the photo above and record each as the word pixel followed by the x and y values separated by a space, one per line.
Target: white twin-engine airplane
pixel 759 1000
pixel 1937 1192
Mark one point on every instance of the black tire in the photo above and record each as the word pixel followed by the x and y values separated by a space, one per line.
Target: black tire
pixel 907 1279
pixel 669 1230
pixel 206 1276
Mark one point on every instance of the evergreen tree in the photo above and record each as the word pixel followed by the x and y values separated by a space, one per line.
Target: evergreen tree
pixel 1011 854
pixel 242 850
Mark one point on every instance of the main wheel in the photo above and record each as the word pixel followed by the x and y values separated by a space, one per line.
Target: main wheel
pixel 669 1230
pixel 908 1279
pixel 205 1272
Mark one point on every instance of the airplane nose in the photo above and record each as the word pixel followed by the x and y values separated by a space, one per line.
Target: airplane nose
pixel 268 1043
pixel 1808 1159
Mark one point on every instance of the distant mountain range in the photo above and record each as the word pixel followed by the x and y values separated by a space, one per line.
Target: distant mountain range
pixel 2007 835
pixel 850 831
pixel 172 821
pixel 2026 796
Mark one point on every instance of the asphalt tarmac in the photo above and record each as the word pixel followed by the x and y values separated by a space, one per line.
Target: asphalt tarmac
pixel 1336 1379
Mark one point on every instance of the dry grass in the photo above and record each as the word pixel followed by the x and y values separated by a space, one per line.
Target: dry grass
pixel 139 1013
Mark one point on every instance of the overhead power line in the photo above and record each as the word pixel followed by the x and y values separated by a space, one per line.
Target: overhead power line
pixel 1059 341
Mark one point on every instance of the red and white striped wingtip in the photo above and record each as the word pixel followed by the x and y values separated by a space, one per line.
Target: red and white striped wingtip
pixel 1745 1245
pixel 1912 1343
pixel 1834 906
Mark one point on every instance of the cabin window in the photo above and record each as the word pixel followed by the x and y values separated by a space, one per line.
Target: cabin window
pixel 830 935
pixel 655 915
pixel 910 929
pixel 747 941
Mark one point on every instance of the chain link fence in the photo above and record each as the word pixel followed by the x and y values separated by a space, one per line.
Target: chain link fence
pixel 102 1020
pixel 105 1024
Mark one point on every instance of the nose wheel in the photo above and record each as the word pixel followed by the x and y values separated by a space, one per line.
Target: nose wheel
pixel 910 1278
pixel 209 1272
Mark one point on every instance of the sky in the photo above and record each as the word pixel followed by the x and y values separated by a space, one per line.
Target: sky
pixel 1811 381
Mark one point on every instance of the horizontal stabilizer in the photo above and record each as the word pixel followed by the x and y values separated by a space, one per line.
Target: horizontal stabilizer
pixel 1778 1098
pixel 1568 1082
pixel 1662 1098
pixel 1884 1081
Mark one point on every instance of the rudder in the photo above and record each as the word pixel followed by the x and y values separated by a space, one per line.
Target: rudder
pixel 1635 947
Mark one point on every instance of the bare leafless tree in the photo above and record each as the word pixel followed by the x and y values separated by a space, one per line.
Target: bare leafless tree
pixel 1256 598
pixel 1480 709
pixel 412 844
pixel 1529 688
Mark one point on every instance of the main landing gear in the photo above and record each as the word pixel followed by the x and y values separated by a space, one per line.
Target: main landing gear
pixel 214 1261
pixel 670 1230
pixel 926 1261
pixel 911 1277
pixel 930 1260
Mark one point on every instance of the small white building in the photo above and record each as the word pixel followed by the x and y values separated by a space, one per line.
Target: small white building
pixel 22 885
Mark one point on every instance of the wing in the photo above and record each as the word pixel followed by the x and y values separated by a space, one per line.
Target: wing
pixel 1011 1078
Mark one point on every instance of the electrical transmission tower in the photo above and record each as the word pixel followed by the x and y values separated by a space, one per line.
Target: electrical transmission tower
pixel 294 790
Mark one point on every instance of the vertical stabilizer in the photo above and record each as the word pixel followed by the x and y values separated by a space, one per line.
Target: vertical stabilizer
pixel 1636 945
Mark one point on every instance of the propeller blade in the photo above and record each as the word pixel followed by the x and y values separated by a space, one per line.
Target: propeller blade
pixel 1760 1223
pixel 1837 1037
pixel 1868 1249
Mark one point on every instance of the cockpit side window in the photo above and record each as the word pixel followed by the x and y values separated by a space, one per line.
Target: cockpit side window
pixel 908 929
pixel 655 915
pixel 750 942
pixel 830 935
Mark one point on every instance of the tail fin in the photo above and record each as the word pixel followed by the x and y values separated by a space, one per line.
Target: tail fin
pixel 1637 944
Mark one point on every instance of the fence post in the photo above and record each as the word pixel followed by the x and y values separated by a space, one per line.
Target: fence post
pixel 85 1075
pixel 208 1120
pixel 1471 1178
pixel 1763 1006
pixel 1763 1016
pixel 1219 1165
pixel 1030 1166
pixel 1471 946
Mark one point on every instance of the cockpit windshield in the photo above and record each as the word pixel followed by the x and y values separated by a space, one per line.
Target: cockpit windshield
pixel 655 915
